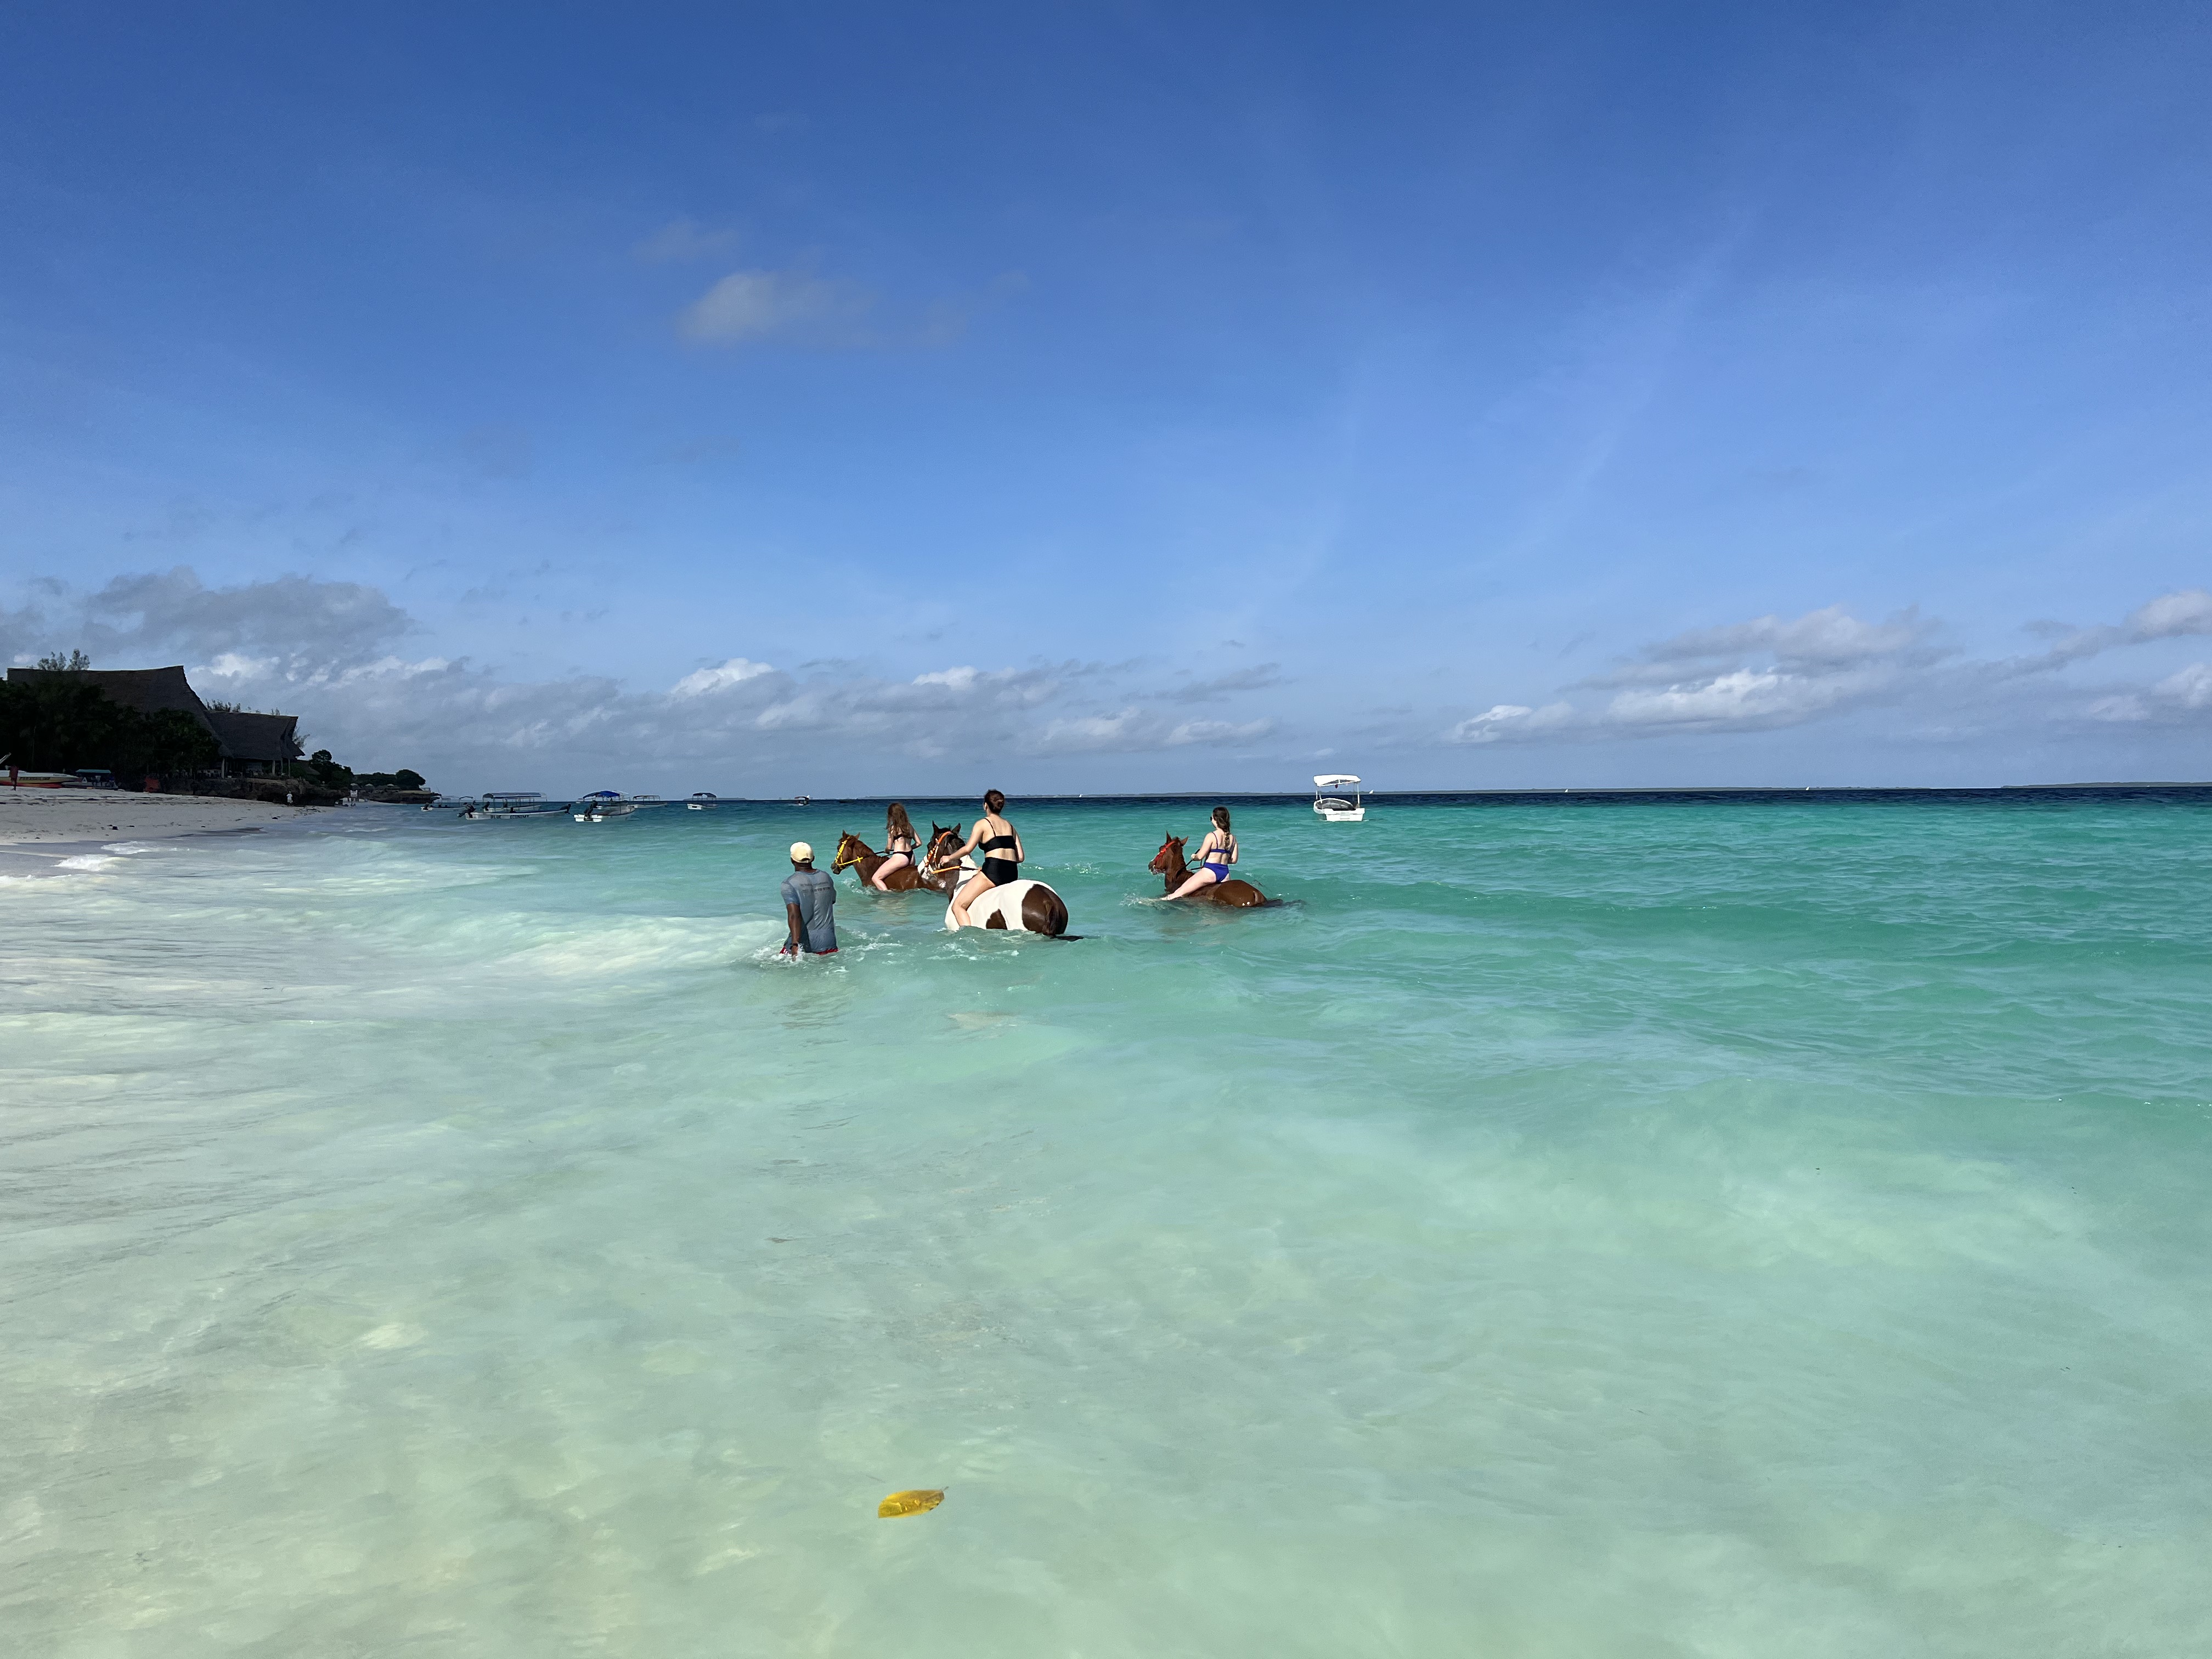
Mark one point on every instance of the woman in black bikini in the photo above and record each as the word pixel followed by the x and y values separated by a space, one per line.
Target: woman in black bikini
pixel 899 845
pixel 1001 847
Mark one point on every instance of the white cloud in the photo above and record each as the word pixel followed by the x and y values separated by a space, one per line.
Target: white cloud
pixel 1772 671
pixel 1744 699
pixel 1816 643
pixel 2181 694
pixel 2174 615
pixel 1132 731
pixel 2184 612
pixel 2190 689
pixel 1510 720
pixel 736 672
pixel 288 616
pixel 1745 676
pixel 756 305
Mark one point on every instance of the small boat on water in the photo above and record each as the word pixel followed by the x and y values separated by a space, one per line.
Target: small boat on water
pixel 701 799
pixel 1336 797
pixel 801 801
pixel 510 803
pixel 600 806
pixel 604 804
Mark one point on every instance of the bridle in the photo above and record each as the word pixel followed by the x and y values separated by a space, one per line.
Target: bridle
pixel 845 861
pixel 937 838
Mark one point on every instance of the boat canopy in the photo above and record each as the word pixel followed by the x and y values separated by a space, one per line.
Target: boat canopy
pixel 602 795
pixel 512 794
pixel 1344 781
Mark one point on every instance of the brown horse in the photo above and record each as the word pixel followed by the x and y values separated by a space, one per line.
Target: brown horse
pixel 1237 895
pixel 853 852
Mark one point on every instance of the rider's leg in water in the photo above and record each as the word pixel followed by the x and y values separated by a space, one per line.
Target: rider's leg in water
pixel 1200 877
pixel 896 861
pixel 967 895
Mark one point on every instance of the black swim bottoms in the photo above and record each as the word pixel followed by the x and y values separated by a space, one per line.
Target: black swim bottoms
pixel 1000 872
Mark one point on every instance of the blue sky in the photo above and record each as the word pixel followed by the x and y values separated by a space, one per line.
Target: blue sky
pixel 860 398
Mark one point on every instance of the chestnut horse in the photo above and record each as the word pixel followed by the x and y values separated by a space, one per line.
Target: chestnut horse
pixel 854 853
pixel 1237 895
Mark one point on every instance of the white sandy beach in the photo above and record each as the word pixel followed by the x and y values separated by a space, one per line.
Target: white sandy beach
pixel 29 816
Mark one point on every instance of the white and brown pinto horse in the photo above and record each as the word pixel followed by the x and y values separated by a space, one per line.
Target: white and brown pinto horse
pixel 1020 906
pixel 1023 906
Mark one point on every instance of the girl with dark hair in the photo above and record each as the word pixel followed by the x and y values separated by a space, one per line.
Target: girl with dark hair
pixel 1002 850
pixel 899 845
pixel 1215 855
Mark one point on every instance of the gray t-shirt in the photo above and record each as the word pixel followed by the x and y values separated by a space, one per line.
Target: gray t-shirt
pixel 816 894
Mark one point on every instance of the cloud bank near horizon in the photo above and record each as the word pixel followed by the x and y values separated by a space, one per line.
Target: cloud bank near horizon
pixel 1769 673
pixel 333 652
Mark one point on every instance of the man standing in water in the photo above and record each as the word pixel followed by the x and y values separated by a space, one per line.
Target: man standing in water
pixel 810 900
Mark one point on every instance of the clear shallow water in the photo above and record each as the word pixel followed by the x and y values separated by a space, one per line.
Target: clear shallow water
pixel 1636 1230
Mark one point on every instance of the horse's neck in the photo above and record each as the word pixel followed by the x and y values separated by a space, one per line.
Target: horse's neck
pixel 1176 869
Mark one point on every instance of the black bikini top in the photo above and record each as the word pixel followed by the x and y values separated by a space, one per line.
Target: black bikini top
pixel 994 843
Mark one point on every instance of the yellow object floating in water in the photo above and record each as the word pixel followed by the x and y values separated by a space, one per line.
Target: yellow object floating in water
pixel 908 1503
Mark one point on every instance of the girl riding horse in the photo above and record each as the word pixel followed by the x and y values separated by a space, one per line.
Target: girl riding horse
pixel 1211 881
pixel 853 852
pixel 899 845
pixel 1215 855
pixel 1003 853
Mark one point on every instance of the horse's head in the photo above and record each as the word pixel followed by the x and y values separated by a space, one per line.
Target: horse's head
pixel 850 851
pixel 942 841
pixel 1169 857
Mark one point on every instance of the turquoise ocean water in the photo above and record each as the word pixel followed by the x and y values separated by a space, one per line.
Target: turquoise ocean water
pixel 1646 1230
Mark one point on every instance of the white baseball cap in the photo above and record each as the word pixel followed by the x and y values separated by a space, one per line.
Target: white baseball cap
pixel 800 852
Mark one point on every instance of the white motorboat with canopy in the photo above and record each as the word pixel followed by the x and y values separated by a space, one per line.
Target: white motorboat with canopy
pixel 600 806
pixel 604 804
pixel 511 804
pixel 1336 797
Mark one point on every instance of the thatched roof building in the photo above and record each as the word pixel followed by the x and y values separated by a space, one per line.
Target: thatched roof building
pixel 267 739
pixel 250 744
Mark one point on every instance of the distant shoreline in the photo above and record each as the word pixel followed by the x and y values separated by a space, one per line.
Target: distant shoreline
pixel 2161 790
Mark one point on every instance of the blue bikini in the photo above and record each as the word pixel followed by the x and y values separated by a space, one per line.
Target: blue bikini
pixel 1217 861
